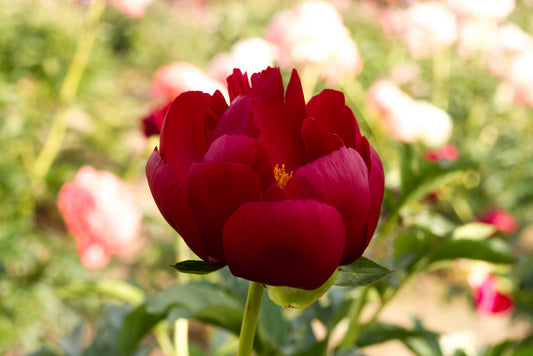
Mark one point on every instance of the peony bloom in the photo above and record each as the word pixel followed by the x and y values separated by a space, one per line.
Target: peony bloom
pixel 508 42
pixel 131 8
pixel 494 10
pixel 153 122
pixel 281 191
pixel 250 55
pixel 488 297
pixel 100 212
pixel 409 120
pixel 502 220
pixel 176 78
pixel 424 27
pixel 312 33
pixel 448 152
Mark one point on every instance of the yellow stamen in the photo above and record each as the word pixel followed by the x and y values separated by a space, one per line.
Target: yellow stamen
pixel 281 176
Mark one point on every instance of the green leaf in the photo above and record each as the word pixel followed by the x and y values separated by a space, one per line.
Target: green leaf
pixel 493 250
pixel 474 231
pixel 194 267
pixel 361 273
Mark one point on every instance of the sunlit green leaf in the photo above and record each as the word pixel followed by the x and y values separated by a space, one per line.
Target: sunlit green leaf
pixel 361 273
pixel 493 250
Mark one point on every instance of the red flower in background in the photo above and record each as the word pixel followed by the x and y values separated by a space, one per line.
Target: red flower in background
pixel 448 152
pixel 501 219
pixel 489 299
pixel 281 191
pixel 100 213
pixel 153 122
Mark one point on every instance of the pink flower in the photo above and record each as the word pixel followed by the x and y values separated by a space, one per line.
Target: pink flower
pixel 488 297
pixel 508 42
pixel 501 219
pixel 495 10
pixel 251 55
pixel 520 77
pixel 176 78
pixel 131 8
pixel 100 213
pixel 448 152
pixel 312 33
pixel 425 27
pixel 409 120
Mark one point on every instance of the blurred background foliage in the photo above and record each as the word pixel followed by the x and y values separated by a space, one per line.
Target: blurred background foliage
pixel 40 274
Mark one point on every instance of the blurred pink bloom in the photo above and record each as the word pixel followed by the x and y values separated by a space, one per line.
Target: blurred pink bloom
pixel 312 33
pixel 178 77
pixel 131 8
pixel 520 77
pixel 508 42
pixel 488 297
pixel 251 55
pixel 501 219
pixel 409 120
pixel 101 214
pixel 448 152
pixel 153 122
pixel 496 10
pixel 424 27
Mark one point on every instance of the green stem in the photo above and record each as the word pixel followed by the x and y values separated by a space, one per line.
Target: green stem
pixel 181 337
pixel 67 92
pixel 354 315
pixel 249 320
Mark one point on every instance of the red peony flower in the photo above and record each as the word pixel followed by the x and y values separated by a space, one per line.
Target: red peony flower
pixel 100 213
pixel 489 299
pixel 281 191
pixel 501 219
pixel 153 122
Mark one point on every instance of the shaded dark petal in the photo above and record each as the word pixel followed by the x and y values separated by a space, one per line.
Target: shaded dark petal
pixel 217 107
pixel 170 199
pixel 237 119
pixel 290 243
pixel 238 84
pixel 183 138
pixel 245 150
pixel 318 141
pixel 339 179
pixel 329 108
pixel 214 191
pixel 279 122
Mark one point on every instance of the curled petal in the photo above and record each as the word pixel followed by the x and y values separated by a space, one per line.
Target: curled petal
pixel 340 180
pixel 170 199
pixel 318 141
pixel 183 138
pixel 289 243
pixel 245 150
pixel 215 190
pixel 329 108
pixel 237 119
pixel 279 119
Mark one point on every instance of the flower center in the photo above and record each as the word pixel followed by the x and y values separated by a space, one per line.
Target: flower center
pixel 281 176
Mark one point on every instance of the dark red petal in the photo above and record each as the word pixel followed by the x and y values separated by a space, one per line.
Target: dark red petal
pixel 237 119
pixel 245 150
pixel 238 84
pixel 215 190
pixel 172 204
pixel 289 243
pixel 318 141
pixel 217 107
pixel 341 180
pixel 329 108
pixel 183 138
pixel 279 121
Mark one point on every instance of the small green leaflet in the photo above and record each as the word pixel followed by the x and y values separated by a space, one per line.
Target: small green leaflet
pixel 194 267
pixel 362 272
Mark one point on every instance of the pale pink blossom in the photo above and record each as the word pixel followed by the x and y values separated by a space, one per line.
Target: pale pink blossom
pixel 520 77
pixel 475 36
pixel 131 8
pixel 508 42
pixel 313 34
pixel 424 27
pixel 495 10
pixel 409 120
pixel 251 55
pixel 100 212
pixel 175 78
